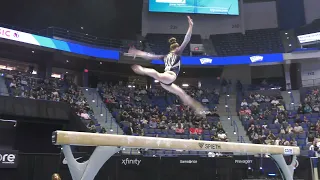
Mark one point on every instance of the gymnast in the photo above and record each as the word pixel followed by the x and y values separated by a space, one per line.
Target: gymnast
pixel 171 71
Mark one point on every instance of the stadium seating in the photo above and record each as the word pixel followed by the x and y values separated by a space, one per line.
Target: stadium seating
pixel 266 120
pixel 26 85
pixel 261 41
pixel 155 113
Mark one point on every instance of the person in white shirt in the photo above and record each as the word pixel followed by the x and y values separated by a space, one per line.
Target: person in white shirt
pixel 274 102
pixel 244 103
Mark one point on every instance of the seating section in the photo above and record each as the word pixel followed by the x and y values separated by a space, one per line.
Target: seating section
pixel 261 41
pixel 266 120
pixel 159 42
pixel 26 85
pixel 156 113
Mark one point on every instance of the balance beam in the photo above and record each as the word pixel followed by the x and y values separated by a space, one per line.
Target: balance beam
pixel 94 139
pixel 109 144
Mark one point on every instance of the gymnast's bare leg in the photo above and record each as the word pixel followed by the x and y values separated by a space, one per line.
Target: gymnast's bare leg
pixel 167 78
pixel 172 68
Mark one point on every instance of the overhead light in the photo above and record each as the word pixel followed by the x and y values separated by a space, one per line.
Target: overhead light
pixel 289 92
pixel 82 27
pixel 86 89
pixel 67 72
pixel 32 51
pixel 185 85
pixel 67 60
pixel 100 62
pixel 156 81
pixel 184 72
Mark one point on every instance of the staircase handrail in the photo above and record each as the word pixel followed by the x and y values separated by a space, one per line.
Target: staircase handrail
pixel 236 129
pixel 242 140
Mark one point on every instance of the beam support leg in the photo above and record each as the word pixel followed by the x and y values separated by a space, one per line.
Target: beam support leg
pixel 89 169
pixel 285 170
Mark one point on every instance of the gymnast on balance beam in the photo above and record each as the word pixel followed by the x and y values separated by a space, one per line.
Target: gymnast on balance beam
pixel 172 62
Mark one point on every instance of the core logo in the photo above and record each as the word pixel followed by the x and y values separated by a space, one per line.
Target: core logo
pixel 288 151
pixel 7 158
pixel 128 161
pixel 254 59
pixel 205 61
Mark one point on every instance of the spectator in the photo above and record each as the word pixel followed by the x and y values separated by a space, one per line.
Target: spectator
pixel 297 129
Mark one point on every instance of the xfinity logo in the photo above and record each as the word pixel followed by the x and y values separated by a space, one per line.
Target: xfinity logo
pixel 128 161
pixel 243 161
pixel 254 59
pixel 7 158
pixel 188 161
pixel 205 61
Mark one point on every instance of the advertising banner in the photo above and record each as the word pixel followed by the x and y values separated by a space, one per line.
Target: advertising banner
pixel 231 60
pixel 8 158
pixel 57 44
pixel 132 162
pixel 226 7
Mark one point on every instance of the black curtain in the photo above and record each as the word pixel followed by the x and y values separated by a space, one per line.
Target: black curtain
pixel 35 137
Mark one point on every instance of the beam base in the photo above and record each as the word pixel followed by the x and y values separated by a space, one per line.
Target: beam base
pixel 285 170
pixel 89 169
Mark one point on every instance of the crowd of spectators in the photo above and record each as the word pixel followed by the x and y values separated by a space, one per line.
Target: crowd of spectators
pixel 154 112
pixel 309 108
pixel 27 85
pixel 266 120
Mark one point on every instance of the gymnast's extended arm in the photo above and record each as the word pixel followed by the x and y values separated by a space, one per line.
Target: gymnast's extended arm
pixel 144 55
pixel 186 38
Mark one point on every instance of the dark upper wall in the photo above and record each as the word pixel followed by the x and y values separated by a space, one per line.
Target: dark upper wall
pixel 105 18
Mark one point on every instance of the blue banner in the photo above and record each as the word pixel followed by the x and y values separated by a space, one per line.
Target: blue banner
pixel 231 60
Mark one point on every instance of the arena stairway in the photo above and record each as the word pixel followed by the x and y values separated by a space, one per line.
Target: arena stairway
pixel 287 99
pixel 101 113
pixel 3 87
pixel 235 129
pixel 296 97
pixel 107 121
pixel 222 110
pixel 208 47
